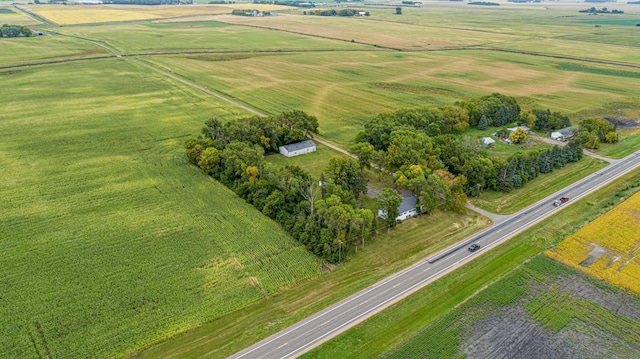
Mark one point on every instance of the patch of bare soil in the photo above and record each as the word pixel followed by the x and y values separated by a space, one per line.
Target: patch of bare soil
pixel 623 123
pixel 511 332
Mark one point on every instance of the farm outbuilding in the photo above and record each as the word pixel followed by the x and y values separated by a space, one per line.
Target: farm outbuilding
pixel 298 148
pixel 564 134
pixel 406 209
pixel 488 141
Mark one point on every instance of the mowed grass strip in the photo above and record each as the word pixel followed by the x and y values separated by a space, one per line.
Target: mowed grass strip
pixel 111 241
pixel 203 36
pixel 392 327
pixel 607 248
pixel 542 186
pixel 344 89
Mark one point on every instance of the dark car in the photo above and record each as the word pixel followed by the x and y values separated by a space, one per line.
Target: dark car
pixel 474 247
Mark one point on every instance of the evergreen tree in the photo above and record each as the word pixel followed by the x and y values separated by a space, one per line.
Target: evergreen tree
pixel 483 123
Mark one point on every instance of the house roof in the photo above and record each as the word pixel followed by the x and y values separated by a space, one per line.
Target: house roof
pixel 408 203
pixel 568 131
pixel 299 145
pixel 488 140
pixel 525 128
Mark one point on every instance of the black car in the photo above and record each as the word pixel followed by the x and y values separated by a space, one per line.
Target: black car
pixel 474 247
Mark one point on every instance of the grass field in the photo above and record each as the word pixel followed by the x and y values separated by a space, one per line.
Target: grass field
pixel 203 36
pixel 393 327
pixel 111 242
pixel 344 88
pixel 87 14
pixel 607 248
pixel 17 51
pixel 314 163
pixel 542 309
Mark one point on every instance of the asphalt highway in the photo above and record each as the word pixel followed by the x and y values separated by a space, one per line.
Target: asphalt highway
pixel 328 323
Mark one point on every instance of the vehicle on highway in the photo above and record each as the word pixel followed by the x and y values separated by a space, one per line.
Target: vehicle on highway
pixel 474 247
pixel 560 201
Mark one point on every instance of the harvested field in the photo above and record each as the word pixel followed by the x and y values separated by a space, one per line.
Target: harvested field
pixel 87 14
pixel 607 248
pixel 541 310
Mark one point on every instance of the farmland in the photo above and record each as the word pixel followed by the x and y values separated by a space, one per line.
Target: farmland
pixel 607 248
pixel 113 243
pixel 541 309
pixel 356 85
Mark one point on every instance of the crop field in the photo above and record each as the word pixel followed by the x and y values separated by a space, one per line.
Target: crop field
pixel 23 50
pixel 111 242
pixel 203 36
pixel 542 309
pixel 9 15
pixel 356 85
pixel 89 14
pixel 607 248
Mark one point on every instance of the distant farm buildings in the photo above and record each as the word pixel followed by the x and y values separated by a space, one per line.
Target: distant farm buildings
pixel 299 148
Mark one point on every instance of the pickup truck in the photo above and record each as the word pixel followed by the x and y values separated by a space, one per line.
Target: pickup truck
pixel 560 201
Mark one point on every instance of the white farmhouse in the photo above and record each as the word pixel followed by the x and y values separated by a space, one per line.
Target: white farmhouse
pixel 299 148
pixel 406 209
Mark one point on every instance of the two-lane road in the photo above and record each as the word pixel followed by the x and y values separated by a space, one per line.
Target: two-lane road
pixel 313 331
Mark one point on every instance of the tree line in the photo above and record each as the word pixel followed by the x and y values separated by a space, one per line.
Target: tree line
pixel 427 149
pixel 326 216
pixel 15 31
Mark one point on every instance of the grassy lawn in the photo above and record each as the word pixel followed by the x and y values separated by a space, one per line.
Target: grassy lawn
pixel 314 163
pixel 387 253
pixel 393 326
pixel 111 242
pixel 542 186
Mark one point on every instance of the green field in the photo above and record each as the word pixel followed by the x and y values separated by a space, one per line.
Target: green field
pixel 201 36
pixel 43 49
pixel 355 85
pixel 111 242
pixel 391 329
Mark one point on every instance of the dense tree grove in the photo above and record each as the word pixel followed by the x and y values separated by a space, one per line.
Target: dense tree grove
pixel 593 131
pixel 324 215
pixel 15 31
pixel 420 148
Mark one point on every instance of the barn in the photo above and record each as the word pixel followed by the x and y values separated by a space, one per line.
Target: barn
pixel 298 148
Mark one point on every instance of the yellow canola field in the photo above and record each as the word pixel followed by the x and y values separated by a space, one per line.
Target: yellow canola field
pixel 87 14
pixel 607 248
